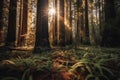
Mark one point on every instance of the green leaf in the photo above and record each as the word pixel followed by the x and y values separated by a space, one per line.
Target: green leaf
pixel 89 69
pixel 89 76
pixel 24 74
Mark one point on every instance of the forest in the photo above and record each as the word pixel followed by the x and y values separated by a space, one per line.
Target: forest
pixel 59 39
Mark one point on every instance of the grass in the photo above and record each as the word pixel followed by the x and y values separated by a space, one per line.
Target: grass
pixel 84 63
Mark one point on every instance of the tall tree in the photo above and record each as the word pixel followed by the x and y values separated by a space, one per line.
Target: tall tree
pixel 109 10
pixel 110 33
pixel 79 26
pixel 22 22
pixel 73 21
pixel 52 27
pixel 11 35
pixel 1 21
pixel 86 23
pixel 42 25
pixel 60 23
pixel 67 21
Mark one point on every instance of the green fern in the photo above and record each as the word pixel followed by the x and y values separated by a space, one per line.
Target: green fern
pixel 26 72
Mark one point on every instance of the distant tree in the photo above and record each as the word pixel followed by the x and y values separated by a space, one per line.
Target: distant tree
pixel 61 23
pixel 23 19
pixel 67 21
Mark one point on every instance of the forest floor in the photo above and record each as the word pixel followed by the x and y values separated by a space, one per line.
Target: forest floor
pixel 83 63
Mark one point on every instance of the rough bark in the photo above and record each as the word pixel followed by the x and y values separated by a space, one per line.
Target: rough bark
pixel 11 35
pixel 87 41
pixel 1 21
pixel 42 24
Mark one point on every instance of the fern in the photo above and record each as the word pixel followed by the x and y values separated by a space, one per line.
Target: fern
pixel 26 72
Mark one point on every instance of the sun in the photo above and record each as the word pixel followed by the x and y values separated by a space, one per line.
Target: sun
pixel 52 11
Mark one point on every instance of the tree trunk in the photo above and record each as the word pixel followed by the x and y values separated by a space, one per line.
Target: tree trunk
pixel 91 23
pixel 1 21
pixel 87 41
pixel 11 35
pixel 42 25
pixel 67 22
pixel 23 22
pixel 73 22
pixel 109 10
pixel 60 23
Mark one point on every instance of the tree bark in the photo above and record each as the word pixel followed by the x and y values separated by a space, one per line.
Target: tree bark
pixel 60 23
pixel 67 15
pixel 1 21
pixel 23 22
pixel 109 10
pixel 87 41
pixel 11 35
pixel 42 25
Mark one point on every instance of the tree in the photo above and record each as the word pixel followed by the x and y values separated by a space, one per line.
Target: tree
pixel 60 23
pixel 67 21
pixel 11 34
pixel 86 23
pixel 23 19
pixel 110 32
pixel 109 10
pixel 1 21
pixel 42 25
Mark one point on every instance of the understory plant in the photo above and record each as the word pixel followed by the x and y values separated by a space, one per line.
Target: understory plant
pixel 83 64
pixel 94 66
pixel 28 66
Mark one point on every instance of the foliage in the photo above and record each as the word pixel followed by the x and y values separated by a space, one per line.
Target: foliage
pixel 85 63
pixel 91 69
pixel 29 65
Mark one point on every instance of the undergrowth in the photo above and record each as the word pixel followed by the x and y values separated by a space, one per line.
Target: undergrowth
pixel 89 63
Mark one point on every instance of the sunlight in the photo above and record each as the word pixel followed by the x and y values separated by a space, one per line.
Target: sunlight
pixel 52 11
pixel 67 25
